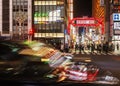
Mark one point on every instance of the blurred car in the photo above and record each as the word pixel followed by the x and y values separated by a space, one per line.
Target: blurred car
pixel 83 72
pixel 27 72
pixel 9 50
pixel 60 68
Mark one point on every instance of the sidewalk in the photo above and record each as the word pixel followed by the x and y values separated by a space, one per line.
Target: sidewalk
pixel 116 52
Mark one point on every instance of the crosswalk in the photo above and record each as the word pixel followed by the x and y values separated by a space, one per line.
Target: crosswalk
pixel 95 53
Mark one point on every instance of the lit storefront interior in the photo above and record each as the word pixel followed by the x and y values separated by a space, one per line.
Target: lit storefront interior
pixel 86 33
pixel 49 20
pixel 87 30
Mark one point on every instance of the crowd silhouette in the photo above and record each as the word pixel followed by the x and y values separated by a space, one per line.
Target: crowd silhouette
pixel 91 47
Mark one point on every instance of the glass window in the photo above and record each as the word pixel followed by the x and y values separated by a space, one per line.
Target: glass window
pixel 49 17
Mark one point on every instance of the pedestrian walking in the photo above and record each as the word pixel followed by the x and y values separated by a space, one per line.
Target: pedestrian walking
pixel 66 48
pixel 80 48
pixel 76 47
pixel 92 47
pixel 106 47
pixel 100 48
pixel 62 47
pixel 117 46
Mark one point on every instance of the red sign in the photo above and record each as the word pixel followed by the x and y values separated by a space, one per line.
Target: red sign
pixel 31 32
pixel 86 22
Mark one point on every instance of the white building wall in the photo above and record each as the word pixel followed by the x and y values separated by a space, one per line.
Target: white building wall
pixel 29 14
pixel 0 17
pixel 11 18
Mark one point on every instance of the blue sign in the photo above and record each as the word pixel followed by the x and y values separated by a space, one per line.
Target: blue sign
pixel 65 31
pixel 116 16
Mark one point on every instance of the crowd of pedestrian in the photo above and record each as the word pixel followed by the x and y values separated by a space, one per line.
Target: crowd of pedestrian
pixel 99 48
pixel 89 47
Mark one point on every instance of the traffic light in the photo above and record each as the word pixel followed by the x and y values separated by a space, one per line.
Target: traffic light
pixel 31 31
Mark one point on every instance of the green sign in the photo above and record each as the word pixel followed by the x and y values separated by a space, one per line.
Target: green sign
pixel 39 14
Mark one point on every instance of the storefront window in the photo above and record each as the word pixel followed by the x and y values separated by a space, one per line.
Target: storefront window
pixel 48 17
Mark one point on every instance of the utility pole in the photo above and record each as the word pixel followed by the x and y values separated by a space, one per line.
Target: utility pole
pixel 107 21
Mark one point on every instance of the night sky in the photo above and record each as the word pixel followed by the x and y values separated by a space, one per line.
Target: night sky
pixel 82 8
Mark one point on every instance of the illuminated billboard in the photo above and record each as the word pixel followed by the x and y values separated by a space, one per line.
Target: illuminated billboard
pixel 54 15
pixel 116 28
pixel 48 2
pixel 117 25
pixel 48 11
pixel 116 16
pixel 48 18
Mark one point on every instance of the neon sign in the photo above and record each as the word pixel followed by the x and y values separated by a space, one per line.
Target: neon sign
pixel 39 14
pixel 85 21
pixel 48 16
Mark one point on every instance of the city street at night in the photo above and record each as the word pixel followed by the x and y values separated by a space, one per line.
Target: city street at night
pixel 29 70
pixel 59 42
pixel 112 65
pixel 107 62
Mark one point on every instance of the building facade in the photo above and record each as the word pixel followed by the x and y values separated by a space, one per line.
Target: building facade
pixel 110 11
pixel 48 18
pixel 115 20
pixel 98 11
pixel 15 18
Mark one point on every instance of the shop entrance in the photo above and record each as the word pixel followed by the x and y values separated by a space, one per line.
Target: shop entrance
pixel 86 29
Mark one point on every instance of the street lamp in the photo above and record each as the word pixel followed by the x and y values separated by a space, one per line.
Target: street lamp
pixel 20 17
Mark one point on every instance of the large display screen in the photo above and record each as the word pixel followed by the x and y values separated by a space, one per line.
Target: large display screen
pixel 48 18
pixel 48 11
pixel 54 15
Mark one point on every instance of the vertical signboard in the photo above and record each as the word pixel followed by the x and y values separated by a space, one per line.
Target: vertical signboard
pixel 116 20
pixel 116 16
pixel 116 28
